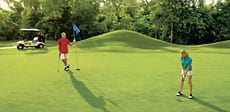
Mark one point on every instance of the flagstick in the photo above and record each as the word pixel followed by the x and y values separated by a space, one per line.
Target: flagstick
pixel 76 59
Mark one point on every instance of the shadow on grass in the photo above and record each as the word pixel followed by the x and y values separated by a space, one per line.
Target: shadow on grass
pixel 33 51
pixel 99 91
pixel 87 95
pixel 208 105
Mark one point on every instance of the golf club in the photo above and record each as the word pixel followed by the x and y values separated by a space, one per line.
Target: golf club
pixel 184 76
pixel 178 99
pixel 58 63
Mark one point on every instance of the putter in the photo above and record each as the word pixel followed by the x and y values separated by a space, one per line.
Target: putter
pixel 183 76
pixel 58 63
pixel 58 66
pixel 178 99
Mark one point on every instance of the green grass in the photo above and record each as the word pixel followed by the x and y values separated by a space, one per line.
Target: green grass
pixel 115 76
pixel 7 43
pixel 224 44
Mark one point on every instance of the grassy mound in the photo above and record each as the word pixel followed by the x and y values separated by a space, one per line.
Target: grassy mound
pixel 223 44
pixel 122 39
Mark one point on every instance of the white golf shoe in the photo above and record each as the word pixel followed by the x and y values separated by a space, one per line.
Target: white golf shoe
pixel 190 96
pixel 179 94
pixel 66 69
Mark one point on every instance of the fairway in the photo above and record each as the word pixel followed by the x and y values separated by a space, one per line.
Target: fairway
pixel 117 74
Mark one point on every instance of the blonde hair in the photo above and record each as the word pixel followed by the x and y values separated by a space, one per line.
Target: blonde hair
pixel 184 51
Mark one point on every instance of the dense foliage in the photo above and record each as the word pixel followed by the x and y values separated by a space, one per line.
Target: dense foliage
pixel 177 21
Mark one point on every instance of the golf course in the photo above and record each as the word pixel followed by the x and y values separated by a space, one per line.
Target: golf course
pixel 120 71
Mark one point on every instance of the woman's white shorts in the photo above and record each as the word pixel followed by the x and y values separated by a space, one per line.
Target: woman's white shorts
pixel 189 73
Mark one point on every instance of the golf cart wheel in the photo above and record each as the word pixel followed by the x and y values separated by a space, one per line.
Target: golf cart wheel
pixel 20 47
pixel 40 46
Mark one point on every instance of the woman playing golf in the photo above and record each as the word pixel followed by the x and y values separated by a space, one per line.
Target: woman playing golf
pixel 186 68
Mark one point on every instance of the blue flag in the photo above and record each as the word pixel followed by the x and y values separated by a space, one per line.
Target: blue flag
pixel 76 29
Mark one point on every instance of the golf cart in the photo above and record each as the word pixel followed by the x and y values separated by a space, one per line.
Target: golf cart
pixel 30 38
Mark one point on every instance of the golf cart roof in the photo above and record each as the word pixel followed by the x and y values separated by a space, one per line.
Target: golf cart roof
pixel 35 30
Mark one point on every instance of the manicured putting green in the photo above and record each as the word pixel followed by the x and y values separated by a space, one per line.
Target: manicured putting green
pixel 118 74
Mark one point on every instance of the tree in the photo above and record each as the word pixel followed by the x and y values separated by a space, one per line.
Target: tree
pixel 7 27
pixel 177 21
pixel 84 14
pixel 221 20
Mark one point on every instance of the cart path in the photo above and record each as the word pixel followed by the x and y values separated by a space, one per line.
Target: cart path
pixel 10 47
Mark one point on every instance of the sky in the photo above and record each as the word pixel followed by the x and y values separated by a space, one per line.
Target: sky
pixel 5 6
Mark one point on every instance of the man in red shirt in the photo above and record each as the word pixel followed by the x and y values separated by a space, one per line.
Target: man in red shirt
pixel 63 43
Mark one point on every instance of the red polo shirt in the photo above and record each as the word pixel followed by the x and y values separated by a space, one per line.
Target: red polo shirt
pixel 63 45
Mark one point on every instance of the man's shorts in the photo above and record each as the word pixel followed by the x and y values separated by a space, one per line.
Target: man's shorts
pixel 64 56
pixel 189 72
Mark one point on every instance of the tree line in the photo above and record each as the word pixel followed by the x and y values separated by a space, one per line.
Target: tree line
pixel 176 21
